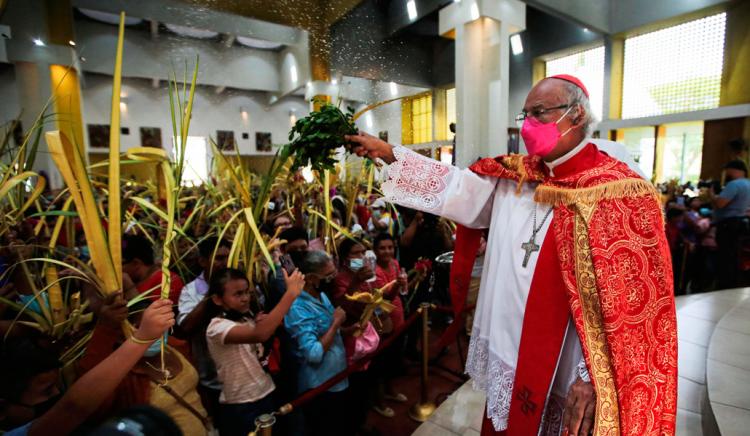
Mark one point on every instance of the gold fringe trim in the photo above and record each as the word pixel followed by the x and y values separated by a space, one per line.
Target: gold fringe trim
pixel 514 162
pixel 606 191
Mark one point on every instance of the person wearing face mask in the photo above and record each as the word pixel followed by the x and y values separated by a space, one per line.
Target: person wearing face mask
pixel 313 324
pixel 577 272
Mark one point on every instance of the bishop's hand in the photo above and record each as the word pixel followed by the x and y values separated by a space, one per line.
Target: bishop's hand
pixel 580 407
pixel 364 144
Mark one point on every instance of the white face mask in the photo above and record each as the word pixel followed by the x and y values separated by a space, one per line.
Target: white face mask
pixel 356 264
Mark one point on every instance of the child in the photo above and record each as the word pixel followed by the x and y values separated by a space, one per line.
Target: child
pixel 235 343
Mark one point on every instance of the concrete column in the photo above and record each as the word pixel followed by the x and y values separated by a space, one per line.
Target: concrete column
pixel 482 29
pixel 34 90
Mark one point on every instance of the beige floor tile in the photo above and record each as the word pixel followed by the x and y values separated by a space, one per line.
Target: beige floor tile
pixel 432 429
pixel 730 347
pixel 460 410
pixel 694 330
pixel 709 309
pixel 690 395
pixel 732 421
pixel 737 320
pixel 688 423
pixel 691 362
pixel 728 385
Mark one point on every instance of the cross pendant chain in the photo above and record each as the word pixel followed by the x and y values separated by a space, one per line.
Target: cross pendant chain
pixel 530 247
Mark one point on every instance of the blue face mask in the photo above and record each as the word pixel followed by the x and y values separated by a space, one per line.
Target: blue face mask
pixel 154 348
pixel 356 264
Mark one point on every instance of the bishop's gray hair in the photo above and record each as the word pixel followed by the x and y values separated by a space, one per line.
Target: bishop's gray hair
pixel 314 262
pixel 576 96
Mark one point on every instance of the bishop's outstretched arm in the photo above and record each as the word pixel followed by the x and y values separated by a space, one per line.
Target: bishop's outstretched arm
pixel 422 183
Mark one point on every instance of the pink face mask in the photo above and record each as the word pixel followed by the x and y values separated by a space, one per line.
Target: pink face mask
pixel 540 138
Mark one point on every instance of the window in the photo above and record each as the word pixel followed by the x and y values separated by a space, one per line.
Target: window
pixel 683 151
pixel 196 160
pixel 450 106
pixel 587 65
pixel 641 144
pixel 677 69
pixel 416 119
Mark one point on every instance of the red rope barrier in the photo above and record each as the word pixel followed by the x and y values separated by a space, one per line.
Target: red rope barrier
pixel 358 365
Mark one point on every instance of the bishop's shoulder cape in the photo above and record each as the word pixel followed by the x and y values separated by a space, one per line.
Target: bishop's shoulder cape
pixel 616 267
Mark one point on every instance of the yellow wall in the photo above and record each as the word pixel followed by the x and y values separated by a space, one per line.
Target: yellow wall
pixel 66 93
pixel 735 83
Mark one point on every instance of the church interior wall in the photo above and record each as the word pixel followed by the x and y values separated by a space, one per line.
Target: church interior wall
pixel 544 34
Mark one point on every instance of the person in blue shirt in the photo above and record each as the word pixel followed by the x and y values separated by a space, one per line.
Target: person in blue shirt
pixel 732 224
pixel 313 324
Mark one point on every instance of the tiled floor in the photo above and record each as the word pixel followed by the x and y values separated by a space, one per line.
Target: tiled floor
pixel 728 370
pixel 727 354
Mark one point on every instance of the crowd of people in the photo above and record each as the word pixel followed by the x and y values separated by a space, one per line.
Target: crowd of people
pixel 708 229
pixel 233 347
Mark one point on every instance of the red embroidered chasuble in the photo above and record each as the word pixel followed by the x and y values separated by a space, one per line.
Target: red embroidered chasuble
pixel 610 269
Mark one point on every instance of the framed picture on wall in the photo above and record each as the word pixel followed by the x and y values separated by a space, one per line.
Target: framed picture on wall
pixel 98 135
pixel 225 140
pixel 151 137
pixel 383 135
pixel 262 141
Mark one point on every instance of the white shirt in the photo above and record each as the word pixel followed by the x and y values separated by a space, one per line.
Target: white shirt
pixel 243 378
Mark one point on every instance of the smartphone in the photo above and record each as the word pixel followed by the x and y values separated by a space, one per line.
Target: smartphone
pixel 287 264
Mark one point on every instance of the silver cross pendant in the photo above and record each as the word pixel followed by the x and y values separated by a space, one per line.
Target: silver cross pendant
pixel 530 247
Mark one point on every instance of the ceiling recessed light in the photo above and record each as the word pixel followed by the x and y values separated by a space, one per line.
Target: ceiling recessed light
pixel 334 82
pixel 474 11
pixel 72 43
pixel 516 45
pixel 411 9
pixel 38 42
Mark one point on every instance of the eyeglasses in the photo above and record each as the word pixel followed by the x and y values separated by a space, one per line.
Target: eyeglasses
pixel 537 113
pixel 329 278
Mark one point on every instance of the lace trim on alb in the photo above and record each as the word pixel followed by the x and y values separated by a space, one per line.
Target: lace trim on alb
pixel 416 181
pixel 494 377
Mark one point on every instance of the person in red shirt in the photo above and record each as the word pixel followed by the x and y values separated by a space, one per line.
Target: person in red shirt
pixel 138 262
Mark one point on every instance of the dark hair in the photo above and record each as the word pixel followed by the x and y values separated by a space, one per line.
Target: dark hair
pixel 223 276
pixel 280 215
pixel 736 165
pixel 137 247
pixel 294 234
pixel 206 248
pixel 345 247
pixel 674 212
pixel 20 361
pixel 314 262
pixel 383 236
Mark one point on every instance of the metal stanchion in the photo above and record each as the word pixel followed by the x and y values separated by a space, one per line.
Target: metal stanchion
pixel 424 408
pixel 263 425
